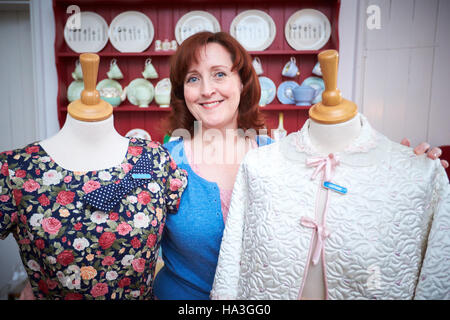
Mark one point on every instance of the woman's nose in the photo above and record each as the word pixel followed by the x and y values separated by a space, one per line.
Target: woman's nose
pixel 207 88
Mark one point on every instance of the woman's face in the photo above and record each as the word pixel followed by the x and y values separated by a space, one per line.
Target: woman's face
pixel 211 90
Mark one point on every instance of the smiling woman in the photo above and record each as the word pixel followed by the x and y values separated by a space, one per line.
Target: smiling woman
pixel 214 86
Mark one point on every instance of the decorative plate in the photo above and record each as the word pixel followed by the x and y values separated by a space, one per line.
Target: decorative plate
pixel 138 133
pixel 269 87
pixel 91 37
pixel 254 29
pixel 318 84
pixel 194 22
pixel 285 92
pixel 74 90
pixel 307 29
pixel 140 92
pixel 131 31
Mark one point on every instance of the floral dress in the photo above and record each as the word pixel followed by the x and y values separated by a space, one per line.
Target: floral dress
pixel 69 248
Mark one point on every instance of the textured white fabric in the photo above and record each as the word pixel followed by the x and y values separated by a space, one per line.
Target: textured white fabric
pixel 389 235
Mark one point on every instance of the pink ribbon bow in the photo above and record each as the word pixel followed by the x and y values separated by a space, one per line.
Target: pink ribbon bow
pixel 322 234
pixel 325 164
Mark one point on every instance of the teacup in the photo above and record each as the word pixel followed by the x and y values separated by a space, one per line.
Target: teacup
pixel 113 95
pixel 304 95
pixel 163 99
pixel 290 69
pixel 77 74
pixel 143 96
pixel 149 71
pixel 257 66
pixel 114 71
pixel 316 70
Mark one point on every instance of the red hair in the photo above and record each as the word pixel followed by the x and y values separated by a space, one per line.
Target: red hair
pixel 249 115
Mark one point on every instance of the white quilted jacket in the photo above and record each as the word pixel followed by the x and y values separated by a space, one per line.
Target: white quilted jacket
pixel 389 236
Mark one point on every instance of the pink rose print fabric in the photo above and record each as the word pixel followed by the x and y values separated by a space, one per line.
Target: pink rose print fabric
pixel 73 251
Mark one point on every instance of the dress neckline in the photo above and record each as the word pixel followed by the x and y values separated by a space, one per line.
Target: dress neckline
pixel 74 172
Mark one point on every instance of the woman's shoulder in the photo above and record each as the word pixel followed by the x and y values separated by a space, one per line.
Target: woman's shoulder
pixel 172 143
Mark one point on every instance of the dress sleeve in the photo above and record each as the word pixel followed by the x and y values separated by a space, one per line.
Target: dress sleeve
pixel 434 279
pixel 8 208
pixel 176 183
pixel 226 280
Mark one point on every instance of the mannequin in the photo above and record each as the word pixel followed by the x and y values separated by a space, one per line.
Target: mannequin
pixel 334 124
pixel 87 206
pixel 88 140
pixel 336 211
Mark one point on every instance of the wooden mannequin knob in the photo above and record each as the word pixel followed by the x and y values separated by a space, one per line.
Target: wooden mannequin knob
pixel 333 108
pixel 90 107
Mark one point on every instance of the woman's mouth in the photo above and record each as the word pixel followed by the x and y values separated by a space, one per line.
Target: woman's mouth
pixel 211 104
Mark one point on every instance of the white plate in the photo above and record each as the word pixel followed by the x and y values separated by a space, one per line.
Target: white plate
pixel 254 29
pixel 285 92
pixel 131 31
pixel 268 86
pixel 138 133
pixel 93 35
pixel 194 22
pixel 307 29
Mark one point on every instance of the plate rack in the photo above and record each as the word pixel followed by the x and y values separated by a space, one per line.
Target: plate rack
pixel 164 16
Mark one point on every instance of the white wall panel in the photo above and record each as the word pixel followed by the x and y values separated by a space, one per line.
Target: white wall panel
pixel 404 66
pixel 439 120
pixel 17 112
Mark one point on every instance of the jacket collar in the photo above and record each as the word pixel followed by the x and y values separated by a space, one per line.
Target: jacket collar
pixel 369 148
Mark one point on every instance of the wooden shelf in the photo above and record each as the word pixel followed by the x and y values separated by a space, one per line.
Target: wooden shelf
pixel 119 54
pixel 283 52
pixel 132 108
pixel 156 108
pixel 171 52
pixel 283 107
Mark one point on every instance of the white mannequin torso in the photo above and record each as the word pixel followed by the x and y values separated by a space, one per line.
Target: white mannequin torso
pixel 86 146
pixel 326 138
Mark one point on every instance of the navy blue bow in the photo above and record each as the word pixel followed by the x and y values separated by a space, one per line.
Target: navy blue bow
pixel 106 198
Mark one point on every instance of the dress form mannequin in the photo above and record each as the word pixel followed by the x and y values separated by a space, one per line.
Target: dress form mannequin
pixel 88 140
pixel 334 123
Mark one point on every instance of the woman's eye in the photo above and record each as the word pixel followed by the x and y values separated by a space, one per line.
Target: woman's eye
pixel 220 74
pixel 192 79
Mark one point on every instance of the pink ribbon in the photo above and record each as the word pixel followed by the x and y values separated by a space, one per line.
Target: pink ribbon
pixel 322 234
pixel 326 165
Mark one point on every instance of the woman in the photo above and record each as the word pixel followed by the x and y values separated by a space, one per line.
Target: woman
pixel 213 82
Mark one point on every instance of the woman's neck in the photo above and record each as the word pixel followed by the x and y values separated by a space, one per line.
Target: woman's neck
pixel 329 138
pixel 213 146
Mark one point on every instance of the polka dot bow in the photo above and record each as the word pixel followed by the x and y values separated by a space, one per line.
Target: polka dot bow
pixel 106 198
